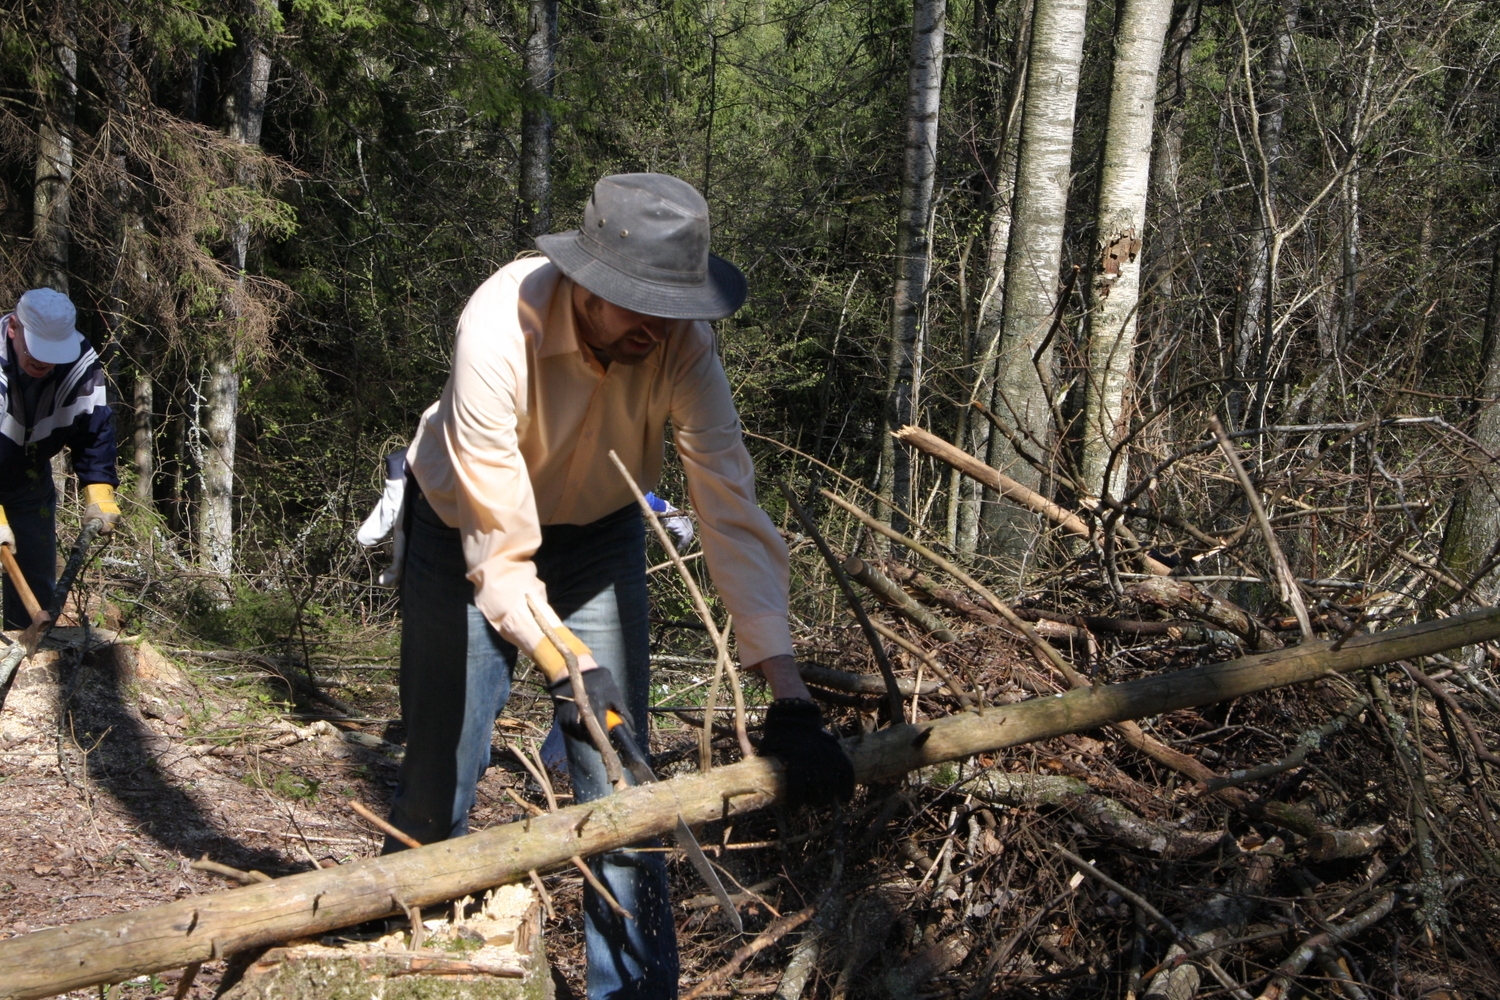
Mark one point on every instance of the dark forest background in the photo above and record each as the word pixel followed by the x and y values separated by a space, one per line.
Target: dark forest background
pixel 271 214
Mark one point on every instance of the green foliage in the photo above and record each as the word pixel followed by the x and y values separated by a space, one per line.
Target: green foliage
pixel 253 619
pixel 238 204
pixel 285 785
pixel 187 24
pixel 295 787
pixel 342 15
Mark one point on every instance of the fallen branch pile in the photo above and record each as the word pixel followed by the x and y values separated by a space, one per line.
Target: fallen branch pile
pixel 111 949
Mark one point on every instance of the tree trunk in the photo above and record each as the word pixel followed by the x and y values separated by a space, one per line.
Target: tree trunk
pixel 1166 252
pixel 246 109
pixel 1252 330
pixel 1473 529
pixel 536 119
pixel 143 434
pixel 1043 174
pixel 201 928
pixel 970 496
pixel 128 268
pixel 221 404
pixel 1166 158
pixel 913 239
pixel 54 153
pixel 1116 288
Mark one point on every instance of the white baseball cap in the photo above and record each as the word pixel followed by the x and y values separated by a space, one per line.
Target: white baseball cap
pixel 49 320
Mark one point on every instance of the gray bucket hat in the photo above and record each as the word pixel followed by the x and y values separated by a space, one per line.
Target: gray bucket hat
pixel 644 246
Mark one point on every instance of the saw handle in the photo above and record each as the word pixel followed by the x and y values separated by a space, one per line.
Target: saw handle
pixel 623 737
pixel 18 580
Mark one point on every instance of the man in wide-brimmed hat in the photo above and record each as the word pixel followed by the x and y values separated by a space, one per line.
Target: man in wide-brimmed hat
pixel 52 395
pixel 559 361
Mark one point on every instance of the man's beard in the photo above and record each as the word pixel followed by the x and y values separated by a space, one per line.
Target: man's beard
pixel 629 356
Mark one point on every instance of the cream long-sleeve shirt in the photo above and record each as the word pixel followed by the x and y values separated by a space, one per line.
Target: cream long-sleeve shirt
pixel 522 434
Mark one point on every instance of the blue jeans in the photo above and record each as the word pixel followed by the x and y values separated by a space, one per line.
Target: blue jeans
pixel 455 679
pixel 31 507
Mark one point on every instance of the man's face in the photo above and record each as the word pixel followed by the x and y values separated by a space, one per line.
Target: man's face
pixel 31 366
pixel 617 334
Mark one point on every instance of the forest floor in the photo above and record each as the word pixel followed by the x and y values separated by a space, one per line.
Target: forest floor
pixel 123 764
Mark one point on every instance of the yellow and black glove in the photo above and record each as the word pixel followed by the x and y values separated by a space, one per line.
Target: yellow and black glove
pixel 7 537
pixel 599 684
pixel 101 506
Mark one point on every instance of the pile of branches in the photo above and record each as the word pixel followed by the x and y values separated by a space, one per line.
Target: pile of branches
pixel 1337 839
pixel 1334 840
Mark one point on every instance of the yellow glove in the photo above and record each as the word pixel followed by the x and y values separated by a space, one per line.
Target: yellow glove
pixel 101 506
pixel 550 659
pixel 7 537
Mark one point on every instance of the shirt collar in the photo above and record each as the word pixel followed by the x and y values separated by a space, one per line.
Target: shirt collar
pixel 560 335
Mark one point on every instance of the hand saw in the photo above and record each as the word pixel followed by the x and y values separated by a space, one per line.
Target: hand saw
pixel 635 762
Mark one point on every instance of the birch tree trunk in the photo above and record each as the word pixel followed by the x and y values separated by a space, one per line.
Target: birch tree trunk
pixel 51 233
pixel 536 119
pixel 913 239
pixel 1116 287
pixel 1167 268
pixel 967 493
pixel 246 109
pixel 1043 174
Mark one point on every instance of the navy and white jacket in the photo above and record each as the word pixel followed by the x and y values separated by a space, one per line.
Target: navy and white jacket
pixel 71 411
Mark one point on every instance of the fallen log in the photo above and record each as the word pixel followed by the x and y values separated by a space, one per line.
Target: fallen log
pixel 1179 631
pixel 1017 493
pixel 1179 595
pixel 945 596
pixel 115 948
pixel 842 680
pixel 1101 814
pixel 888 591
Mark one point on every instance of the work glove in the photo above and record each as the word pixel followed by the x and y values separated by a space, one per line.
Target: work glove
pixel 603 694
pixel 675 521
pixel 387 512
pixel 7 537
pixel 680 526
pixel 101 506
pixel 817 769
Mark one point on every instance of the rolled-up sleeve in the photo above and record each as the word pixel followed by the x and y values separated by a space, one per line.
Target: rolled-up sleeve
pixel 746 556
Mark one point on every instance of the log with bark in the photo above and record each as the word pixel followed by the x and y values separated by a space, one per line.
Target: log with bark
pixel 1179 595
pixel 891 593
pixel 972 467
pixel 1178 631
pixel 115 948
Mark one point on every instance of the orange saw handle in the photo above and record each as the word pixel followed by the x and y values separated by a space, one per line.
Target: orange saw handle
pixel 624 741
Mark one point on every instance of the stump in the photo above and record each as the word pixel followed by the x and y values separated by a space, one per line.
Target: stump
pixel 493 954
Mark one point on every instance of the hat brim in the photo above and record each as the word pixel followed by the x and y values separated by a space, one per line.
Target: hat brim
pixel 721 295
pixel 54 352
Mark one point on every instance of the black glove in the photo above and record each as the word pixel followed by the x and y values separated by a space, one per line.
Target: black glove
pixel 603 695
pixel 817 769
